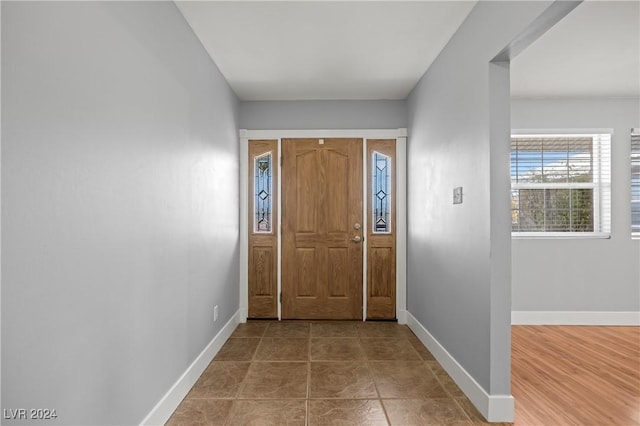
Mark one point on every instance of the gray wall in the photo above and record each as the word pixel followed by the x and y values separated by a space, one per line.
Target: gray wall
pixel 119 152
pixel 459 255
pixel 284 115
pixel 582 274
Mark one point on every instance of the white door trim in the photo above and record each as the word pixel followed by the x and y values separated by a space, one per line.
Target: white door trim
pixel 401 206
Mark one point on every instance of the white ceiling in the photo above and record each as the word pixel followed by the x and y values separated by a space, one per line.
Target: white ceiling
pixel 593 51
pixel 324 50
pixel 296 50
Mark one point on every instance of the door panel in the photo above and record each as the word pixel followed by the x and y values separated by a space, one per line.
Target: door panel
pixel 337 194
pixel 322 201
pixel 262 266
pixel 307 191
pixel 382 273
pixel 338 272
pixel 306 262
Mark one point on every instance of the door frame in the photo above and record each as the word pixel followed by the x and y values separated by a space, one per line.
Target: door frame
pixel 400 135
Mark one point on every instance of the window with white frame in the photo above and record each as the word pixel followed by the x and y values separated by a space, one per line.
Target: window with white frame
pixel 635 183
pixel 560 185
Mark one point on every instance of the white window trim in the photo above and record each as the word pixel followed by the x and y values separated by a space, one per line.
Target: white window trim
pixel 560 235
pixel 596 186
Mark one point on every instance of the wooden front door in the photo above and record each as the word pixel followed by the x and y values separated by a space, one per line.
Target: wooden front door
pixel 322 229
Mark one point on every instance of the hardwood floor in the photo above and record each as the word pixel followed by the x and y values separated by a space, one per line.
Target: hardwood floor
pixel 576 375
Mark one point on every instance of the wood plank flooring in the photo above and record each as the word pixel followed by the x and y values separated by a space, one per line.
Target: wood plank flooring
pixel 576 375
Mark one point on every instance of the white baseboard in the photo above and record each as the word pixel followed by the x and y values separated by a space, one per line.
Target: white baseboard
pixel 495 408
pixel 163 410
pixel 574 318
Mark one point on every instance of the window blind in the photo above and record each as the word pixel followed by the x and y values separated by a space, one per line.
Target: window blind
pixel 561 184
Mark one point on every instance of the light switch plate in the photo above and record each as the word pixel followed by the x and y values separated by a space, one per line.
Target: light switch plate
pixel 457 195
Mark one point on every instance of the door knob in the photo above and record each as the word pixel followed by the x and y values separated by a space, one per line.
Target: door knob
pixel 357 226
pixel 357 239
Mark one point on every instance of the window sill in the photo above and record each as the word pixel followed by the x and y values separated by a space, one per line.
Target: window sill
pixel 561 235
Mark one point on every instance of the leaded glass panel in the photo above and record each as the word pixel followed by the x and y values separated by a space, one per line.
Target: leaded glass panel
pixel 263 188
pixel 381 192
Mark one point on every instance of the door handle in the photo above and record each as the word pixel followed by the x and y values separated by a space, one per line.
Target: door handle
pixel 357 239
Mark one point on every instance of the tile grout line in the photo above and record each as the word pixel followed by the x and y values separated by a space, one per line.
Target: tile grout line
pixel 375 385
pixel 243 383
pixel 439 381
pixel 233 400
pixel 455 401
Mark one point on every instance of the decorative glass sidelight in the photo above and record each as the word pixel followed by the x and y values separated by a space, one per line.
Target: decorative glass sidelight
pixel 262 205
pixel 381 193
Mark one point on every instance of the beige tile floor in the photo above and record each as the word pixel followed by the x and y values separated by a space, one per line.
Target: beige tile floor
pixel 324 373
